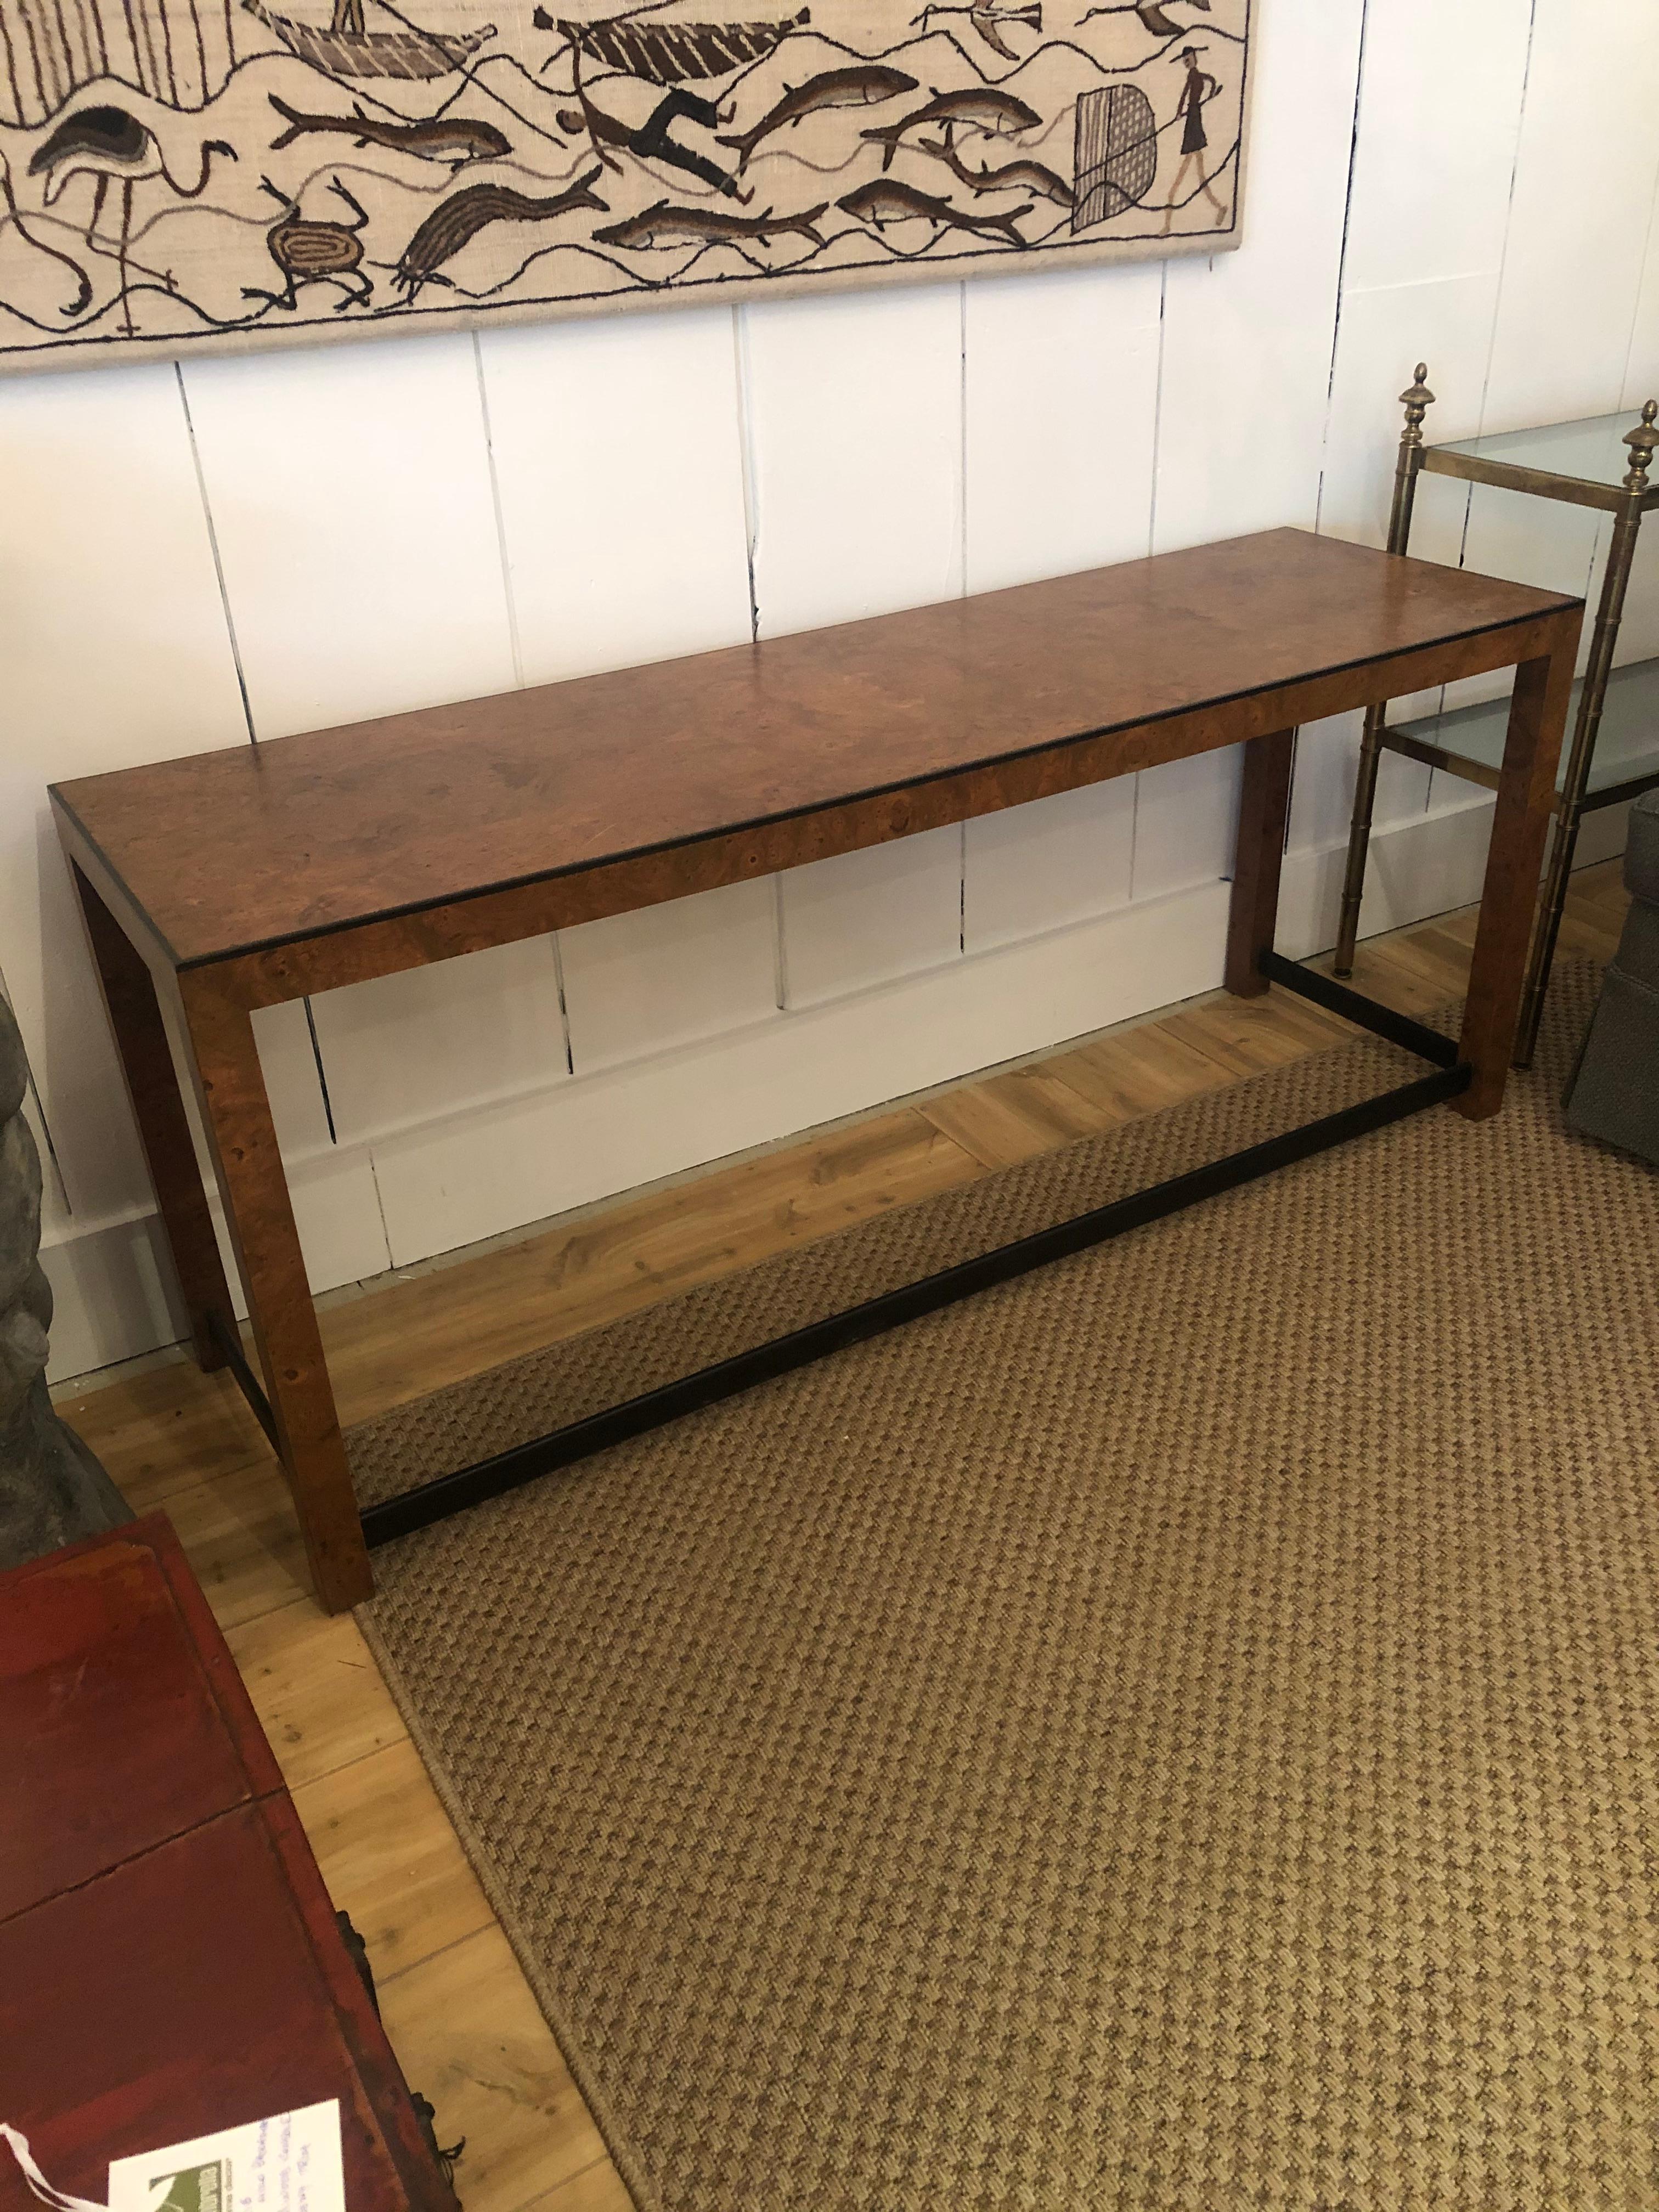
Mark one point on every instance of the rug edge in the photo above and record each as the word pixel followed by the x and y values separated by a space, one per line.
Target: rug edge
pixel 582 2073
pixel 1446 1011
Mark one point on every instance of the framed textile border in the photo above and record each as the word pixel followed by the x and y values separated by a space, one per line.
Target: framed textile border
pixel 181 175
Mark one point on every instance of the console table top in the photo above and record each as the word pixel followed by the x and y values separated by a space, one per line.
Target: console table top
pixel 247 846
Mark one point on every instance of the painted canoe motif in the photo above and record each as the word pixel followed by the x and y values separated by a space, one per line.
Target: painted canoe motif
pixel 410 53
pixel 672 53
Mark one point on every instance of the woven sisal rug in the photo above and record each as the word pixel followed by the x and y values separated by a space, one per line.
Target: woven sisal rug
pixel 1179 1730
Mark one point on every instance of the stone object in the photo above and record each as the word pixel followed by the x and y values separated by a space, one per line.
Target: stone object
pixel 52 1490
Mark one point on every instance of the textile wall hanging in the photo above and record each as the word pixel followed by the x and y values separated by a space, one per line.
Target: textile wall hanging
pixel 189 174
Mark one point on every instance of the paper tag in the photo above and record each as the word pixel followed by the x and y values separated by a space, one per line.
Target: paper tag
pixel 288 2163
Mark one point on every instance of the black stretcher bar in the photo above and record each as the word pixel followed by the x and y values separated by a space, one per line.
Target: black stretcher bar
pixel 653 1409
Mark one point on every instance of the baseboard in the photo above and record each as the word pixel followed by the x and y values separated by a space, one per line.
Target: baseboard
pixel 1423 866
pixel 112 1281
pixel 450 1183
pixel 409 1194
pixel 112 1295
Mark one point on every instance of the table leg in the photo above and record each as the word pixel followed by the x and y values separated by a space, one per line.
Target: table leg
pixel 1264 809
pixel 249 1168
pixel 1526 792
pixel 158 1107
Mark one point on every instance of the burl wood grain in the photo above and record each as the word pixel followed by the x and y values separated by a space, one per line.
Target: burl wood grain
pixel 1264 809
pixel 146 1056
pixel 1509 894
pixel 241 848
pixel 248 878
pixel 247 1164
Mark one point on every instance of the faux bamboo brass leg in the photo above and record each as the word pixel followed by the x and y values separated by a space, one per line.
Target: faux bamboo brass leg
pixel 1416 399
pixel 1546 930
pixel 249 1168
pixel 1642 441
pixel 158 1107
pixel 1359 838
pixel 1532 751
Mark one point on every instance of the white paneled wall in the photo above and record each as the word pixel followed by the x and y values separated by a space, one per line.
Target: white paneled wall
pixel 1248 339
pixel 639 983
pixel 867 917
pixel 1059 422
pixel 351 500
pixel 1060 433
pixel 853 415
pixel 115 648
pixel 619 474
pixel 1585 166
pixel 291 541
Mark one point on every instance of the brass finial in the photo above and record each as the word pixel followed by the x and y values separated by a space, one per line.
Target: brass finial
pixel 1641 440
pixel 1417 403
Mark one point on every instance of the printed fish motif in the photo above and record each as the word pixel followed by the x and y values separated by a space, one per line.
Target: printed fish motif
pixel 458 219
pixel 867 85
pixel 1013 177
pixel 453 140
pixel 885 200
pixel 981 107
pixel 662 226
pixel 670 53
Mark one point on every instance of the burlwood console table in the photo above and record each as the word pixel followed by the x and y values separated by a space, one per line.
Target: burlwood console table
pixel 240 879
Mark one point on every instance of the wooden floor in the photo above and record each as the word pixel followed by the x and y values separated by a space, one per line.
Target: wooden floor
pixel 456 2009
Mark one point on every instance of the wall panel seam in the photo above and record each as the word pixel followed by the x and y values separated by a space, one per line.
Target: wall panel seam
pixel 1636 304
pixel 746 462
pixel 514 643
pixel 1503 257
pixel 213 547
pixel 1341 265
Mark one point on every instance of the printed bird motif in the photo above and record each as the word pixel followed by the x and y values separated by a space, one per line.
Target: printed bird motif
pixel 985 18
pixel 105 142
pixel 1160 25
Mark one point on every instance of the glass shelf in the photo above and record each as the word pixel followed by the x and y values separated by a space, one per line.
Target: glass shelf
pixel 1626 744
pixel 1590 452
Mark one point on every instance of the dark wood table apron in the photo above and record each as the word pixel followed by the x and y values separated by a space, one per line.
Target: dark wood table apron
pixel 240 879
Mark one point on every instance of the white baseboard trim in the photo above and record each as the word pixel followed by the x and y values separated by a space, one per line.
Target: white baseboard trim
pixel 411 1192
pixel 1425 866
pixel 112 1295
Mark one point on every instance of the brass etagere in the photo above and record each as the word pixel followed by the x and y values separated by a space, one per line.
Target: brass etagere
pixel 1578 462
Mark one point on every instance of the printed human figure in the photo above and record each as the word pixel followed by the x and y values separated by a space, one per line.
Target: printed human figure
pixel 649 140
pixel 1194 142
